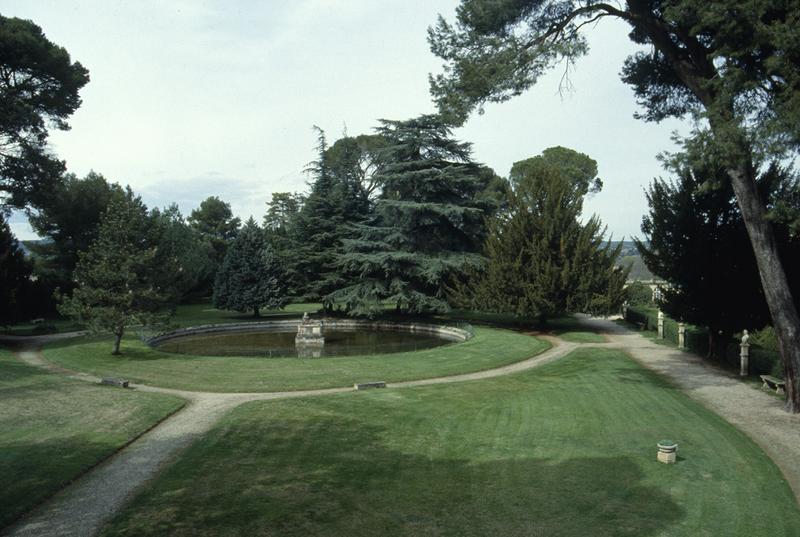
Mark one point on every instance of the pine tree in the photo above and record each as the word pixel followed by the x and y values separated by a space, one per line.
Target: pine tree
pixel 427 225
pixel 119 279
pixel 185 255
pixel 214 220
pixel 251 277
pixel 279 226
pixel 69 220
pixel 542 262
pixel 335 203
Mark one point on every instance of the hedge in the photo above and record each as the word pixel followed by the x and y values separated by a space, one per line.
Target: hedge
pixel 762 361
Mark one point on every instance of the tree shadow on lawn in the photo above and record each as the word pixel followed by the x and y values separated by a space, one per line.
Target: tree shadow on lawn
pixel 12 370
pixel 100 346
pixel 637 375
pixel 337 476
pixel 30 473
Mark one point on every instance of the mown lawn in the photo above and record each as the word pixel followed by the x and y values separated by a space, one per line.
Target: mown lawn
pixel 52 429
pixel 59 324
pixel 567 328
pixel 567 449
pixel 139 363
pixel 205 313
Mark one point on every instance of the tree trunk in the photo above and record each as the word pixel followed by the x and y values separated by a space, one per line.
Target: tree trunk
pixel 256 313
pixel 785 318
pixel 696 72
pixel 117 341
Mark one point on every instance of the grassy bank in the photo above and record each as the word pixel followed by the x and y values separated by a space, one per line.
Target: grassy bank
pixel 52 429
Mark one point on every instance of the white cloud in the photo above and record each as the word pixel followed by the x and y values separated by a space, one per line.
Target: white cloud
pixel 191 99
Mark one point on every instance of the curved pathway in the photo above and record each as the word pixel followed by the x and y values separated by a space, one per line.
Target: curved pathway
pixel 83 507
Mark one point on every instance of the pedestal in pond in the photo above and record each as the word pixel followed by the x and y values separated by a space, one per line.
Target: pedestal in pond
pixel 310 338
pixel 309 351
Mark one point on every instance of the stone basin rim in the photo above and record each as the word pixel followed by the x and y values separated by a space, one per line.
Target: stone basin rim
pixel 447 332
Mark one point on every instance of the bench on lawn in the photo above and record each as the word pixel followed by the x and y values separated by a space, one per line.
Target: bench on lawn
pixel 368 385
pixel 120 383
pixel 773 382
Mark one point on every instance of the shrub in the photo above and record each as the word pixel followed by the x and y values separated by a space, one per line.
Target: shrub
pixel 639 294
pixel 765 338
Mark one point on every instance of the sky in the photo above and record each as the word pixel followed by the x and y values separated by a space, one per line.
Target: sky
pixel 189 99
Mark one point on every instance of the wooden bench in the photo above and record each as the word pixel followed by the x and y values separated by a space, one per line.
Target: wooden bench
pixel 640 325
pixel 773 382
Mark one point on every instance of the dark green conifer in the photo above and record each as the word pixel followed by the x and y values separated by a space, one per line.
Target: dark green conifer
pixel 427 226
pixel 15 274
pixel 336 202
pixel 251 277
pixel 542 261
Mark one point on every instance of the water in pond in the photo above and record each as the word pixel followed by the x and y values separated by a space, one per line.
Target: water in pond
pixel 281 344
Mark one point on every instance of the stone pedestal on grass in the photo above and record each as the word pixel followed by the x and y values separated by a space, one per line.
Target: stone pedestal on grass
pixel 667 451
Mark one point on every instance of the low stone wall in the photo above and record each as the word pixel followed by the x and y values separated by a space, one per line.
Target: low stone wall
pixel 450 333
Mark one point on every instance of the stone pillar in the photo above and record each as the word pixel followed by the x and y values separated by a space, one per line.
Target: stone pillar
pixel 624 311
pixel 744 355
pixel 660 324
pixel 681 336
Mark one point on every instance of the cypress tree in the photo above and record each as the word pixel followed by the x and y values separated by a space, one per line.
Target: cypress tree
pixel 696 240
pixel 542 262
pixel 251 276
pixel 427 226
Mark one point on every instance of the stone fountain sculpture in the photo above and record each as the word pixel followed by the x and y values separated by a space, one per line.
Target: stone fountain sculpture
pixel 310 338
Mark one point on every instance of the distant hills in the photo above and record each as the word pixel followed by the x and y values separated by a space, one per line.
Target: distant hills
pixel 629 256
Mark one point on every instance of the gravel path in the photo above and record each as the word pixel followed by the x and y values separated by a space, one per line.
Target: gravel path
pixel 83 507
pixel 754 412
